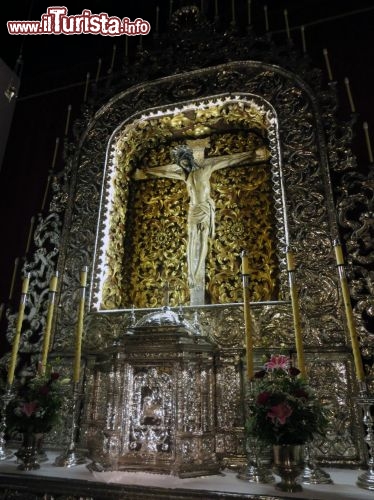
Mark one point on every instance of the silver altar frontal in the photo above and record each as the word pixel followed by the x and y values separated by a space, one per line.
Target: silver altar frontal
pixel 154 400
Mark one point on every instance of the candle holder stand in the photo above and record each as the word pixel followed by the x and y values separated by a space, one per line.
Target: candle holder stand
pixel 311 473
pixel 366 480
pixel 71 457
pixel 5 400
pixel 255 471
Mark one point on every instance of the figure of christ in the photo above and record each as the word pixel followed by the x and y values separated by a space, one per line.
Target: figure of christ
pixel 192 167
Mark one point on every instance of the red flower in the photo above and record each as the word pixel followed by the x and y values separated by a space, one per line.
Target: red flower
pixel 263 398
pixel 279 413
pixel 55 375
pixel 29 408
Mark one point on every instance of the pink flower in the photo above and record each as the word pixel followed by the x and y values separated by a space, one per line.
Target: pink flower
pixel 278 362
pixel 279 413
pixel 29 408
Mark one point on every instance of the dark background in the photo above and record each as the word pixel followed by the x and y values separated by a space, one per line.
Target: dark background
pixel 55 67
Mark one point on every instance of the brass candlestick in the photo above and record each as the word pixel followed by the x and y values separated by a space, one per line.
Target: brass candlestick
pixel 70 457
pixel 366 480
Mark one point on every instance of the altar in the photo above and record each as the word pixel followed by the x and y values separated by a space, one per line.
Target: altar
pixel 78 483
pixel 193 233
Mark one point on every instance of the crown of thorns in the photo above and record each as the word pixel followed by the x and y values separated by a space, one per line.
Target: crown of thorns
pixel 181 152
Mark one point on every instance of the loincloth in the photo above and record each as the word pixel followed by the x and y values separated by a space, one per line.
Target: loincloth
pixel 202 216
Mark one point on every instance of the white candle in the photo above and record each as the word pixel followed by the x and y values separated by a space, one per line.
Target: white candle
pixel 113 58
pixel 266 18
pixel 2 309
pixel 32 222
pixel 86 87
pixel 15 269
pixel 249 12
pixel 233 12
pixel 285 12
pixel 99 62
pixel 303 39
pixel 365 126
pixel 327 61
pixel 57 144
pixel 68 118
pixel 157 18
pixel 349 94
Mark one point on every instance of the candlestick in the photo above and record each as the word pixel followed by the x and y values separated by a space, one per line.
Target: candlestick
pixel 291 268
pixel 303 39
pixel 266 18
pixel 79 329
pixel 69 109
pixel 360 373
pixel 99 62
pixel 349 94
pixel 32 222
pixel 247 317
pixel 15 269
pixel 327 61
pixel 48 324
pixel 15 346
pixel 365 126
pixel 157 18
pixel 285 12
pixel 249 20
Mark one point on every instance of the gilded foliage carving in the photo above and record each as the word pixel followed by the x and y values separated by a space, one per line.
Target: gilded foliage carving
pixel 147 236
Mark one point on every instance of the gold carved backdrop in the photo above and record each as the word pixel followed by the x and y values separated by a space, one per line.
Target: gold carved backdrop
pixel 147 250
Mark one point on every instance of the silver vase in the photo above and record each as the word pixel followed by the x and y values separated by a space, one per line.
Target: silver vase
pixel 288 464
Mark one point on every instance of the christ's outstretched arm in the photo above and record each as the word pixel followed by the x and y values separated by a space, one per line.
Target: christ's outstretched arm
pixel 171 171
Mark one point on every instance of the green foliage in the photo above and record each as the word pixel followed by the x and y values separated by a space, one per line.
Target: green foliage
pixel 283 407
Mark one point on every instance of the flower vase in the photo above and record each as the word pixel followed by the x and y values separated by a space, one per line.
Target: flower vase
pixel 28 453
pixel 288 464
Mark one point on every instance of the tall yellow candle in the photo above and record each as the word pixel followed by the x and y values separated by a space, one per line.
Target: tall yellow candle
pixel 296 314
pixel 21 312
pixel 247 317
pixel 79 329
pixel 48 324
pixel 360 373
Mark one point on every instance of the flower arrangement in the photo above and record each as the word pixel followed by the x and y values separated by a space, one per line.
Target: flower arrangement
pixel 283 409
pixel 36 404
